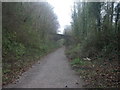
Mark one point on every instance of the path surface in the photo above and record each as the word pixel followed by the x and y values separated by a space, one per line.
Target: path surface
pixel 52 71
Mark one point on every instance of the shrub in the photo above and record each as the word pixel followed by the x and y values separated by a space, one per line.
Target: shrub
pixel 77 61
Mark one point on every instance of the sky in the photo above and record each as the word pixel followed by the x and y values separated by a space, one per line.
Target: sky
pixel 62 9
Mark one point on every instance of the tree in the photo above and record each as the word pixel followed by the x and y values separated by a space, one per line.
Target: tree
pixel 94 28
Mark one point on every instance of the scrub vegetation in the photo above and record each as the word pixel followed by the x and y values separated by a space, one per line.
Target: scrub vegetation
pixel 28 33
pixel 92 45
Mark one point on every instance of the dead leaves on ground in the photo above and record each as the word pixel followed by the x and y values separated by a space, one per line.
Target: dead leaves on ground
pixel 98 74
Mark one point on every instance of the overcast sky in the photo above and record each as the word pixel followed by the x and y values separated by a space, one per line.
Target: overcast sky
pixel 62 8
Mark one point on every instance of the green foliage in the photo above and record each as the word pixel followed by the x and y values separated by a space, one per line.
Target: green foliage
pixel 73 52
pixel 93 30
pixel 95 36
pixel 19 50
pixel 28 33
pixel 77 61
pixel 12 46
pixel 6 71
